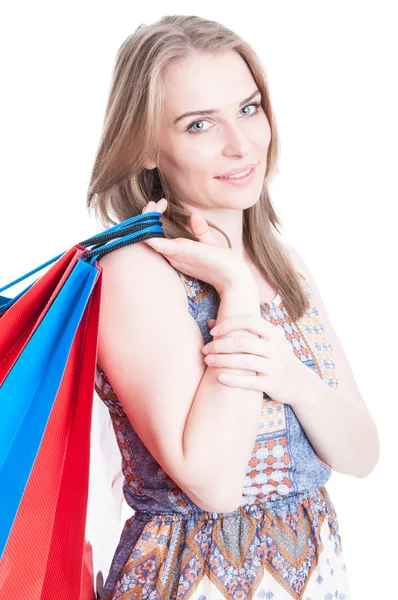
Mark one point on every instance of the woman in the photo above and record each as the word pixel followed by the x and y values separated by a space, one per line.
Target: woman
pixel 226 477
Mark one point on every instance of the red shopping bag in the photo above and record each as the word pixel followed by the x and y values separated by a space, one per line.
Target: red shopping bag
pixel 48 352
pixel 44 552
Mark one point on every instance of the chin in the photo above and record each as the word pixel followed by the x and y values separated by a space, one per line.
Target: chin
pixel 250 199
pixel 253 203
pixel 243 203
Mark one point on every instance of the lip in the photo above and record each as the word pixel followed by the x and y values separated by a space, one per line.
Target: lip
pixel 237 170
pixel 240 181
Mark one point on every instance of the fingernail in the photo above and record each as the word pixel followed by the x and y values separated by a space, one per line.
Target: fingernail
pixel 214 331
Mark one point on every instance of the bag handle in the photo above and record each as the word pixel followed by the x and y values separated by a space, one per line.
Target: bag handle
pixel 132 234
pixel 130 231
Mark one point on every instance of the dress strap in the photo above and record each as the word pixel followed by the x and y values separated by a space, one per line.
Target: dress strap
pixel 312 330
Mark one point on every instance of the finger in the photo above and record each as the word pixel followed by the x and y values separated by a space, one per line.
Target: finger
pixel 152 206
pixel 166 246
pixel 149 207
pixel 200 229
pixel 248 344
pixel 251 323
pixel 251 362
pixel 158 206
pixel 246 382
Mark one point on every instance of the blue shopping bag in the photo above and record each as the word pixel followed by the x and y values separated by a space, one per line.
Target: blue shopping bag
pixel 48 346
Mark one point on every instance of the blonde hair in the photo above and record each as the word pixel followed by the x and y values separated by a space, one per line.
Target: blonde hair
pixel 120 186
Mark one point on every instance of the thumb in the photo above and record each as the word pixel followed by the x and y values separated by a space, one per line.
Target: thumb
pixel 200 229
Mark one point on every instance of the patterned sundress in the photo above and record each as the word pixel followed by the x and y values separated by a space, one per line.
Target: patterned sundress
pixel 282 542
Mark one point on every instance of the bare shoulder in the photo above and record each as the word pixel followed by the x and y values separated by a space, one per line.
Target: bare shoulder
pixel 141 258
pixel 344 372
pixel 136 255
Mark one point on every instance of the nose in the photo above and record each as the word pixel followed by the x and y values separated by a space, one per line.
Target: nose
pixel 236 140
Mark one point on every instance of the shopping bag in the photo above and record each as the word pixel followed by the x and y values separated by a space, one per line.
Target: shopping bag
pixel 48 352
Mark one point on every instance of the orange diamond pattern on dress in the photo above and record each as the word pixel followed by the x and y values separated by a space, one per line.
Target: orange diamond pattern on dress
pixel 280 318
pixel 272 417
pixel 267 475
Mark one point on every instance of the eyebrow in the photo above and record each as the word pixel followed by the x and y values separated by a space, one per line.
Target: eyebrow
pixel 211 111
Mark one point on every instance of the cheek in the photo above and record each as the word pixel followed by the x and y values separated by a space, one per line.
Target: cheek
pixel 263 134
pixel 186 166
pixel 194 159
pixel 174 161
pixel 198 150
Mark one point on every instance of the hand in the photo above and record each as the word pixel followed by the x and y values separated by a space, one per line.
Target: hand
pixel 279 372
pixel 206 259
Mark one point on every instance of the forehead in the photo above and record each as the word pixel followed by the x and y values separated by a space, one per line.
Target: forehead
pixel 202 82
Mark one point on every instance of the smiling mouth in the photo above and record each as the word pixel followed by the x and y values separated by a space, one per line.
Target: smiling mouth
pixel 239 178
pixel 241 175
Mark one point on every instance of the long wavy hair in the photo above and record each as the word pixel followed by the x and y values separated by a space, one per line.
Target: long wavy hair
pixel 120 186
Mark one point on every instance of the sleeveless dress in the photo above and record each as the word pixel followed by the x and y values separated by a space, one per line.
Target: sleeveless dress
pixel 282 542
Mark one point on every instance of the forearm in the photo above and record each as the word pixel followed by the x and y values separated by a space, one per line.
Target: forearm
pixel 221 427
pixel 342 433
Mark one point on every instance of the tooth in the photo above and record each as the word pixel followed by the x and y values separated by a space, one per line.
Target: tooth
pixel 238 175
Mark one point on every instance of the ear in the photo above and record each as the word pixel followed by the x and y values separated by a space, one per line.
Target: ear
pixel 149 164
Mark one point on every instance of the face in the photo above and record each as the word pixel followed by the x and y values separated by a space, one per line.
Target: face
pixel 196 149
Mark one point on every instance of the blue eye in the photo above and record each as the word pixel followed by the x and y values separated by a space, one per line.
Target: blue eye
pixel 190 130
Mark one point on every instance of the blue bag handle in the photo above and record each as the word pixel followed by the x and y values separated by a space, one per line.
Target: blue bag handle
pixel 130 231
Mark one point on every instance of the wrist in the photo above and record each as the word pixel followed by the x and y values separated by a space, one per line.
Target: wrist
pixel 305 385
pixel 238 282
pixel 239 299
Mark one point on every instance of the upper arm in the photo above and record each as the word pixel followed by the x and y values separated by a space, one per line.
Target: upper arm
pixel 150 348
pixel 343 370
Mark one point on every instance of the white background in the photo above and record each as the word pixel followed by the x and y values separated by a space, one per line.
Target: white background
pixel 333 83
